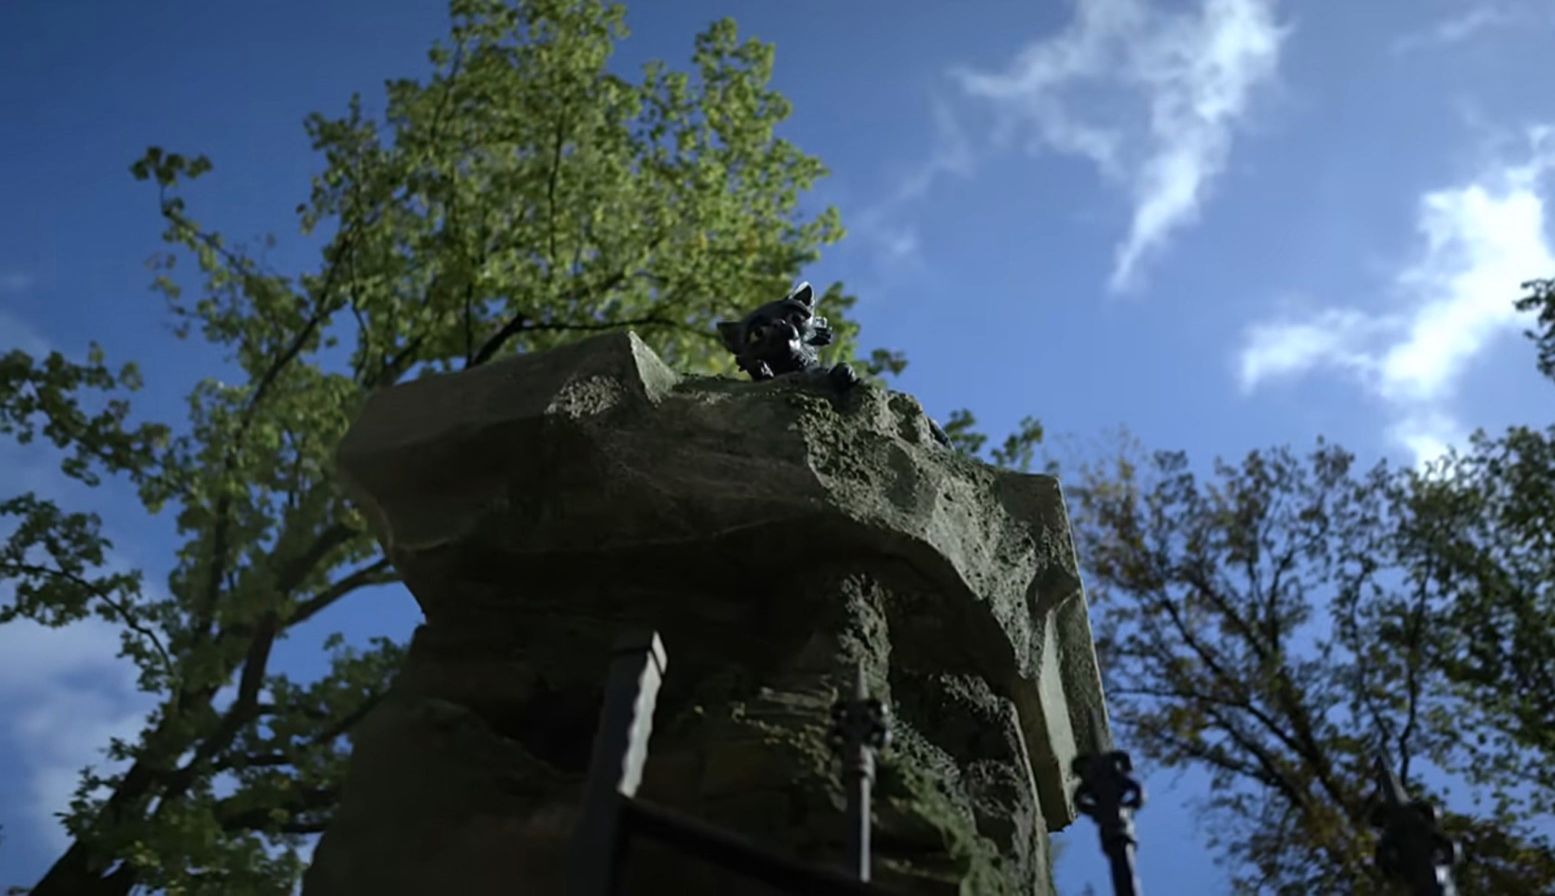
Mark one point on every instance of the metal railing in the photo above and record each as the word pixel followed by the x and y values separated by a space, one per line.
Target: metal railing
pixel 1412 850
pixel 613 814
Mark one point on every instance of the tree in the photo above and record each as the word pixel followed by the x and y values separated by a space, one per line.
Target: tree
pixel 1284 621
pixel 1541 300
pixel 1483 523
pixel 1016 452
pixel 520 196
pixel 1265 627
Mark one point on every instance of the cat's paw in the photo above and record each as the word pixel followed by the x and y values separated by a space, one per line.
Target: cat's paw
pixel 843 377
pixel 758 370
pixel 939 433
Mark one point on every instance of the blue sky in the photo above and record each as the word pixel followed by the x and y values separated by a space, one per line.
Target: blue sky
pixel 1225 224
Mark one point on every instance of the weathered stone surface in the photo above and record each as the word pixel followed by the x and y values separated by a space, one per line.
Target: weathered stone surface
pixel 772 532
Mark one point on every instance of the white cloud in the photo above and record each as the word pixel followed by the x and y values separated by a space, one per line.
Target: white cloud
pixel 887 225
pixel 951 154
pixel 1478 241
pixel 1334 337
pixel 17 333
pixel 898 244
pixel 1427 434
pixel 1457 28
pixel 64 694
pixel 1194 72
pixel 16 281
pixel 31 654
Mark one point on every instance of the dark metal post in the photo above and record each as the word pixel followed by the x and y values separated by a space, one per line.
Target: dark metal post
pixel 733 852
pixel 615 769
pixel 859 728
pixel 1412 848
pixel 1109 794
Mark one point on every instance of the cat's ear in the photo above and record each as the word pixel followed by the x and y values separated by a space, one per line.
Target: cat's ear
pixel 803 294
pixel 729 331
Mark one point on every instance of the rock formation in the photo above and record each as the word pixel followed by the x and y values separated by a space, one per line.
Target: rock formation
pixel 773 533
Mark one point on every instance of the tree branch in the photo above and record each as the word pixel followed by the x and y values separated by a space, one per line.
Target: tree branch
pixel 120 610
pixel 339 727
pixel 522 324
pixel 380 572
pixel 259 818
pixel 550 191
pixel 244 708
pixel 223 510
pixel 290 576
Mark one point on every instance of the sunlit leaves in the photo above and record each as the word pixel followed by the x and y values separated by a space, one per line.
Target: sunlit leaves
pixel 53 562
pixel 1018 451
pixel 520 195
pixel 1482 526
pixel 54 398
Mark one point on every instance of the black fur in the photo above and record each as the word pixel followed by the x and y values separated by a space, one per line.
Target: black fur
pixel 781 338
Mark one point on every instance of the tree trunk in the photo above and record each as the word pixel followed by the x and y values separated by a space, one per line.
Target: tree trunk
pixel 79 873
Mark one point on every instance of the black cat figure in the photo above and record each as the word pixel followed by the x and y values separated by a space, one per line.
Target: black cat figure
pixel 782 337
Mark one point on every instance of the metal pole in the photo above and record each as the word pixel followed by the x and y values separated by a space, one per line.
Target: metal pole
pixel 738 854
pixel 1412 847
pixel 615 768
pixel 1109 794
pixel 859 728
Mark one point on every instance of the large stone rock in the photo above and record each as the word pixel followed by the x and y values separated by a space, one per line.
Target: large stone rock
pixel 773 533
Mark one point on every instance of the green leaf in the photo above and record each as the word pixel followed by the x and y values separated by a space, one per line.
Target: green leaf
pixel 519 197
